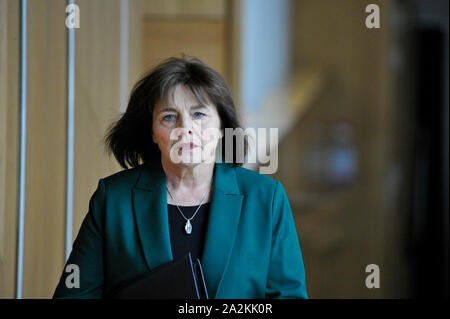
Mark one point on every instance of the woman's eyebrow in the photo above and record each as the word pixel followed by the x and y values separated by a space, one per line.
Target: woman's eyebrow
pixel 167 109
pixel 171 109
pixel 196 107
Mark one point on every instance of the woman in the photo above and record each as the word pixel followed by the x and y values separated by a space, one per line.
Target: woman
pixel 176 198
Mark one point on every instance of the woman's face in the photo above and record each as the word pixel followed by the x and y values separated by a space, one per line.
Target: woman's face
pixel 186 130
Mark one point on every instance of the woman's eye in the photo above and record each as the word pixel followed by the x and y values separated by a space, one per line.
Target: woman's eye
pixel 169 117
pixel 199 115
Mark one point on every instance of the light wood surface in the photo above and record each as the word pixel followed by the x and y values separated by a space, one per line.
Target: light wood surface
pixel 343 230
pixel 142 11
pixel 46 148
pixel 206 40
pixel 193 8
pixel 96 99
pixel 9 103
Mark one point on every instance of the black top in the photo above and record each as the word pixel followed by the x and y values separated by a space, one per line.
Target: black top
pixel 180 241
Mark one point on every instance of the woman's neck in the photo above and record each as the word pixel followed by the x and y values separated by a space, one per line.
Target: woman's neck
pixel 188 184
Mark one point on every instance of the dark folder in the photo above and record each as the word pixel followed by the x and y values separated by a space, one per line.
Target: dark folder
pixel 179 279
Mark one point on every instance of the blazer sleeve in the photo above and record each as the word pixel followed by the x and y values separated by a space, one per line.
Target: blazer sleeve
pixel 86 255
pixel 286 278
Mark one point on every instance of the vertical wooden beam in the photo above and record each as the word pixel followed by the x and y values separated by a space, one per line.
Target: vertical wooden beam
pixel 97 83
pixel 46 144
pixel 234 41
pixel 9 110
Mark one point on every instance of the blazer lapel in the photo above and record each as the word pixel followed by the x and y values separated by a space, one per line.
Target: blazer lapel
pixel 150 212
pixel 223 223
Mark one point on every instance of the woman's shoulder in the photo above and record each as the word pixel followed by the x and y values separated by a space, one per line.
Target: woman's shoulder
pixel 249 179
pixel 260 187
pixel 253 175
pixel 246 178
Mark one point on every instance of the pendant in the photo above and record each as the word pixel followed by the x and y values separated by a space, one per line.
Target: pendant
pixel 188 227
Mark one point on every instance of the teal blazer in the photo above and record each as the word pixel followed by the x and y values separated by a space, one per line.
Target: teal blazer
pixel 251 246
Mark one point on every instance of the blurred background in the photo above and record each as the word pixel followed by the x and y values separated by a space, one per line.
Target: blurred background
pixel 362 118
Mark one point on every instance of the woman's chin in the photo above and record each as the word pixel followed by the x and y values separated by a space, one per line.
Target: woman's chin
pixel 189 163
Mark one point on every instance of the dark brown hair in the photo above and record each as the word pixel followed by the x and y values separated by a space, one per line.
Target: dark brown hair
pixel 130 138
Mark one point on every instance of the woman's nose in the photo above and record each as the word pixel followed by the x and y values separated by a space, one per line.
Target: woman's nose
pixel 187 124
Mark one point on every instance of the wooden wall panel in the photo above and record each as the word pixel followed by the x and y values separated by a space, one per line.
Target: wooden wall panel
pixel 206 40
pixel 234 13
pixel 344 230
pixel 213 9
pixel 9 104
pixel 97 101
pixel 46 148
pixel 142 11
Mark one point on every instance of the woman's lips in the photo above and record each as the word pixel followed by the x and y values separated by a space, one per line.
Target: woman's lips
pixel 188 146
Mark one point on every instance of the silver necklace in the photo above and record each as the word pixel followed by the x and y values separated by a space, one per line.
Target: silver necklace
pixel 188 226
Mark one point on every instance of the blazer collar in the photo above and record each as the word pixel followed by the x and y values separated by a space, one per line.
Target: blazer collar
pixel 150 210
pixel 152 177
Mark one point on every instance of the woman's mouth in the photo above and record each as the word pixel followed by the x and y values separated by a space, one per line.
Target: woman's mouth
pixel 188 146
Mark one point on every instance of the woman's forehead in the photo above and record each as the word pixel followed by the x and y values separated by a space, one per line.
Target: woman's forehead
pixel 183 97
